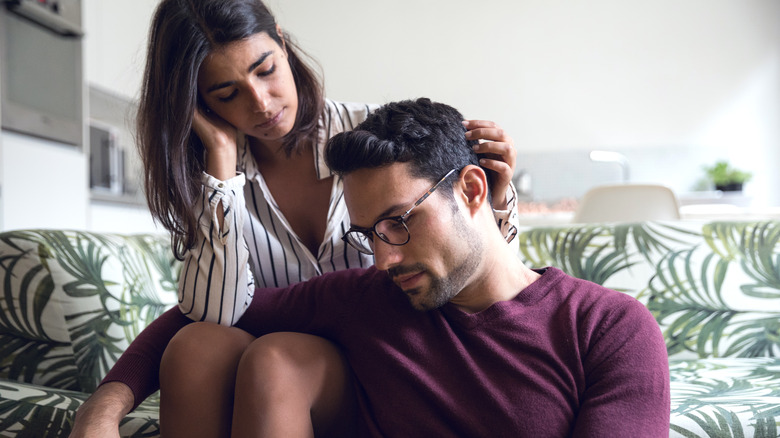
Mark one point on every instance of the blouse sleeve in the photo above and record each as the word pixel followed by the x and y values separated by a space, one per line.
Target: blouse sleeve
pixel 507 219
pixel 216 284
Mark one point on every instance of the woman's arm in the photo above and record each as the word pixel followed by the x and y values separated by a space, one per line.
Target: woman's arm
pixel 216 283
pixel 497 153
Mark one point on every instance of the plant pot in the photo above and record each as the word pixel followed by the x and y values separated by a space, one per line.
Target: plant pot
pixel 730 187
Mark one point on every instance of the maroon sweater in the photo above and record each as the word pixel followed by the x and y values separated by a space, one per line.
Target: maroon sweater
pixel 566 357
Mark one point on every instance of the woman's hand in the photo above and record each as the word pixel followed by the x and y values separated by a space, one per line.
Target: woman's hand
pixel 497 153
pixel 219 139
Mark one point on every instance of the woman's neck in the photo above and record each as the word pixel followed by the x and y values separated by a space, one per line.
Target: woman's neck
pixel 267 152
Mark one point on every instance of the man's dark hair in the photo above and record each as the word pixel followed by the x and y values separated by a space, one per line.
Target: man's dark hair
pixel 428 135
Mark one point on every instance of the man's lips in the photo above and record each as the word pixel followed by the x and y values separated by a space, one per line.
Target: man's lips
pixel 407 281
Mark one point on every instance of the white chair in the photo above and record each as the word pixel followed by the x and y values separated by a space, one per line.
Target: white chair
pixel 627 203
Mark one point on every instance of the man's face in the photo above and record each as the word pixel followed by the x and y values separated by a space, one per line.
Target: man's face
pixel 443 251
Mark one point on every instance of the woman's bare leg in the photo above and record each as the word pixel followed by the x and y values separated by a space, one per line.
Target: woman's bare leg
pixel 197 378
pixel 293 385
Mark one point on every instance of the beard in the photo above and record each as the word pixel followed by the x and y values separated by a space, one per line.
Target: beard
pixel 443 289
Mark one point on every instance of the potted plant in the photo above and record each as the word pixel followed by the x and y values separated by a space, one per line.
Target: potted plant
pixel 727 178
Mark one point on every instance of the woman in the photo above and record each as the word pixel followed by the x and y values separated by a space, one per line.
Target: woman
pixel 231 126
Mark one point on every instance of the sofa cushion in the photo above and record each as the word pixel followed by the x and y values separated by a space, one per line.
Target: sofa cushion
pixel 98 291
pixel 28 410
pixel 725 397
pixel 35 343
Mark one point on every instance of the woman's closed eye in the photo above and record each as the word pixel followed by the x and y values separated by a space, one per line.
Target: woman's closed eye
pixel 267 71
pixel 229 97
pixel 260 73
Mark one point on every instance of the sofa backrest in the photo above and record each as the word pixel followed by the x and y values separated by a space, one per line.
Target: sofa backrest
pixel 714 287
pixel 72 301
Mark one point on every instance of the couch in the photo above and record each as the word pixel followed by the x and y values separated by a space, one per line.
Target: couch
pixel 72 301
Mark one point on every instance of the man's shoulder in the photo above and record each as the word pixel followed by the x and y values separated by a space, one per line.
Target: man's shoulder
pixel 591 301
pixel 586 290
pixel 352 277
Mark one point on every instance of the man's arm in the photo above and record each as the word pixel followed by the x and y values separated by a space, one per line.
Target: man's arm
pixel 627 389
pixel 133 378
pixel 100 415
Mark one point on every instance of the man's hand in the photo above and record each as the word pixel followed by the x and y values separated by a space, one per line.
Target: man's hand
pixel 99 416
pixel 497 153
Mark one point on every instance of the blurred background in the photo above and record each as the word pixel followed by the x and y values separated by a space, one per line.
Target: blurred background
pixel 658 89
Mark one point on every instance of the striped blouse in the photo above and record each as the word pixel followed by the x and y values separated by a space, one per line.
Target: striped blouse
pixel 256 247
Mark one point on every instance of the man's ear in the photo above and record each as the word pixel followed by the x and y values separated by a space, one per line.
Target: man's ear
pixel 473 185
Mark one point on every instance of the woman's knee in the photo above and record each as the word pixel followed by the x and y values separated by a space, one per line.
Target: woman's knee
pixel 292 354
pixel 302 374
pixel 204 348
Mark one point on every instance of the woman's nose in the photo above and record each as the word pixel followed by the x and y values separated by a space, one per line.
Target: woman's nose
pixel 260 98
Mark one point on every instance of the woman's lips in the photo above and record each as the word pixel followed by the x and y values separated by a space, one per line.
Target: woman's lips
pixel 272 121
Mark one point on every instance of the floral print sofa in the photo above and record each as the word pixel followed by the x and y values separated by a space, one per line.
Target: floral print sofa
pixel 72 301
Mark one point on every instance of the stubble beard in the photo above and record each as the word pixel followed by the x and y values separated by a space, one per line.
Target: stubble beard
pixel 443 289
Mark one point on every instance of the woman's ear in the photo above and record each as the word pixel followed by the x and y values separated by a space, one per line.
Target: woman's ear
pixel 281 37
pixel 474 186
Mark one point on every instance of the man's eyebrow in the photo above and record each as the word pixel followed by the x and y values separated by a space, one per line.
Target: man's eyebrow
pixel 400 208
pixel 385 214
pixel 254 65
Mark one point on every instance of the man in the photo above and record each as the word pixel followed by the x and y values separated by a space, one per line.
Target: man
pixel 449 334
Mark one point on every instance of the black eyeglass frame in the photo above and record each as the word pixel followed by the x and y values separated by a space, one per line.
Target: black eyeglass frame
pixel 365 234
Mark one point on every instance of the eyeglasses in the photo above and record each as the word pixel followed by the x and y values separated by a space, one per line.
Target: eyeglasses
pixel 392 230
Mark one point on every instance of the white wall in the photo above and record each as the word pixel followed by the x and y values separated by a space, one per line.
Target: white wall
pixel 673 84
pixel 44 184
pixel 115 43
pixel 700 75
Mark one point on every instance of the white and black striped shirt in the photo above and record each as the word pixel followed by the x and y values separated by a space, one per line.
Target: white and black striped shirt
pixel 256 245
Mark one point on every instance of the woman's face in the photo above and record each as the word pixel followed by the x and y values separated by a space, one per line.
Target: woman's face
pixel 249 84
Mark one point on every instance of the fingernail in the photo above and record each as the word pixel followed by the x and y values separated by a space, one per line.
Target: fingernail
pixel 465 122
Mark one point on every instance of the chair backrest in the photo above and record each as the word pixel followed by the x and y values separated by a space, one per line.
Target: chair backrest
pixel 628 203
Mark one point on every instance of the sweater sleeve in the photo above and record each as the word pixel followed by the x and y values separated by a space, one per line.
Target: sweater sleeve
pixel 216 283
pixel 139 366
pixel 627 371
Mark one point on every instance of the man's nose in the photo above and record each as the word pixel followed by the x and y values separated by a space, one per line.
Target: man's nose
pixel 386 255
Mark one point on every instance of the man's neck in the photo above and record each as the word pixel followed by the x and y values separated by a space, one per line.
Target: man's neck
pixel 501 277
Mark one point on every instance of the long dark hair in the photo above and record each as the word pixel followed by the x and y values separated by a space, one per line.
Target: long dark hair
pixel 182 34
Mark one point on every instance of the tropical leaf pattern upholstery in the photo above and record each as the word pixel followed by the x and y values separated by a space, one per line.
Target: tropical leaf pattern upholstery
pixel 72 301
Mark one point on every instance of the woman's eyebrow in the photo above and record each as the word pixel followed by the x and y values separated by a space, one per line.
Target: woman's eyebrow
pixel 259 61
pixel 254 65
